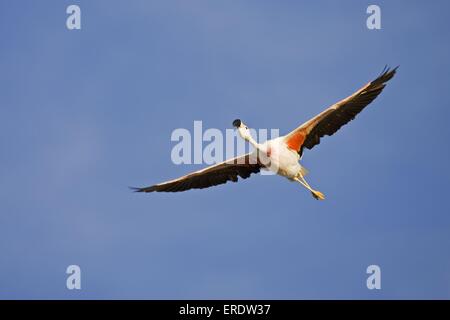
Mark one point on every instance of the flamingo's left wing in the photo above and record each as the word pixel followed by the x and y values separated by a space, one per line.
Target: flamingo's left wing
pixel 332 119
pixel 229 170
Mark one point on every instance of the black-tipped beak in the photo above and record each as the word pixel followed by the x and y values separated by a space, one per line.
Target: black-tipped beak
pixel 237 123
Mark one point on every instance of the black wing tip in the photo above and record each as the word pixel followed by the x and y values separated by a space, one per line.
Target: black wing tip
pixel 385 75
pixel 136 189
pixel 388 72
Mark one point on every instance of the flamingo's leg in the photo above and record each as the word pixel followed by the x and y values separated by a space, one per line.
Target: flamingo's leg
pixel 316 194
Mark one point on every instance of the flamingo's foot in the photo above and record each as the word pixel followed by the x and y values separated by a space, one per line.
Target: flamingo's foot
pixel 318 195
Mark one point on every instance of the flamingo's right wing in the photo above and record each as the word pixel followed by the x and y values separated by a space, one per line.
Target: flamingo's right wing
pixel 332 119
pixel 229 170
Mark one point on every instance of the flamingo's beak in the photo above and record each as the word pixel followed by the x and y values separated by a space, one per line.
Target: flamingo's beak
pixel 237 123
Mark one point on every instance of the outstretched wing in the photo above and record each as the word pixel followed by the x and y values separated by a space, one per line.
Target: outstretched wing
pixel 332 119
pixel 229 170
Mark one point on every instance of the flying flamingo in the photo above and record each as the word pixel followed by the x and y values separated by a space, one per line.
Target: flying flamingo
pixel 280 155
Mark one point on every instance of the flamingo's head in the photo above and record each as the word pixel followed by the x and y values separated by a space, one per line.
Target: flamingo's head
pixel 243 130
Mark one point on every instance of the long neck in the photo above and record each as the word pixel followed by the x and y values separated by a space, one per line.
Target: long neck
pixel 255 144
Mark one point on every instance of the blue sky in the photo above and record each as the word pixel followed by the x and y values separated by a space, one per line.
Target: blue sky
pixel 86 113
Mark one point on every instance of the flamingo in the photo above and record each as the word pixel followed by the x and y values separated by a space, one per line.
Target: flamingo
pixel 280 155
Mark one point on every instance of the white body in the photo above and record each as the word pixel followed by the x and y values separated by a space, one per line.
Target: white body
pixel 278 158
